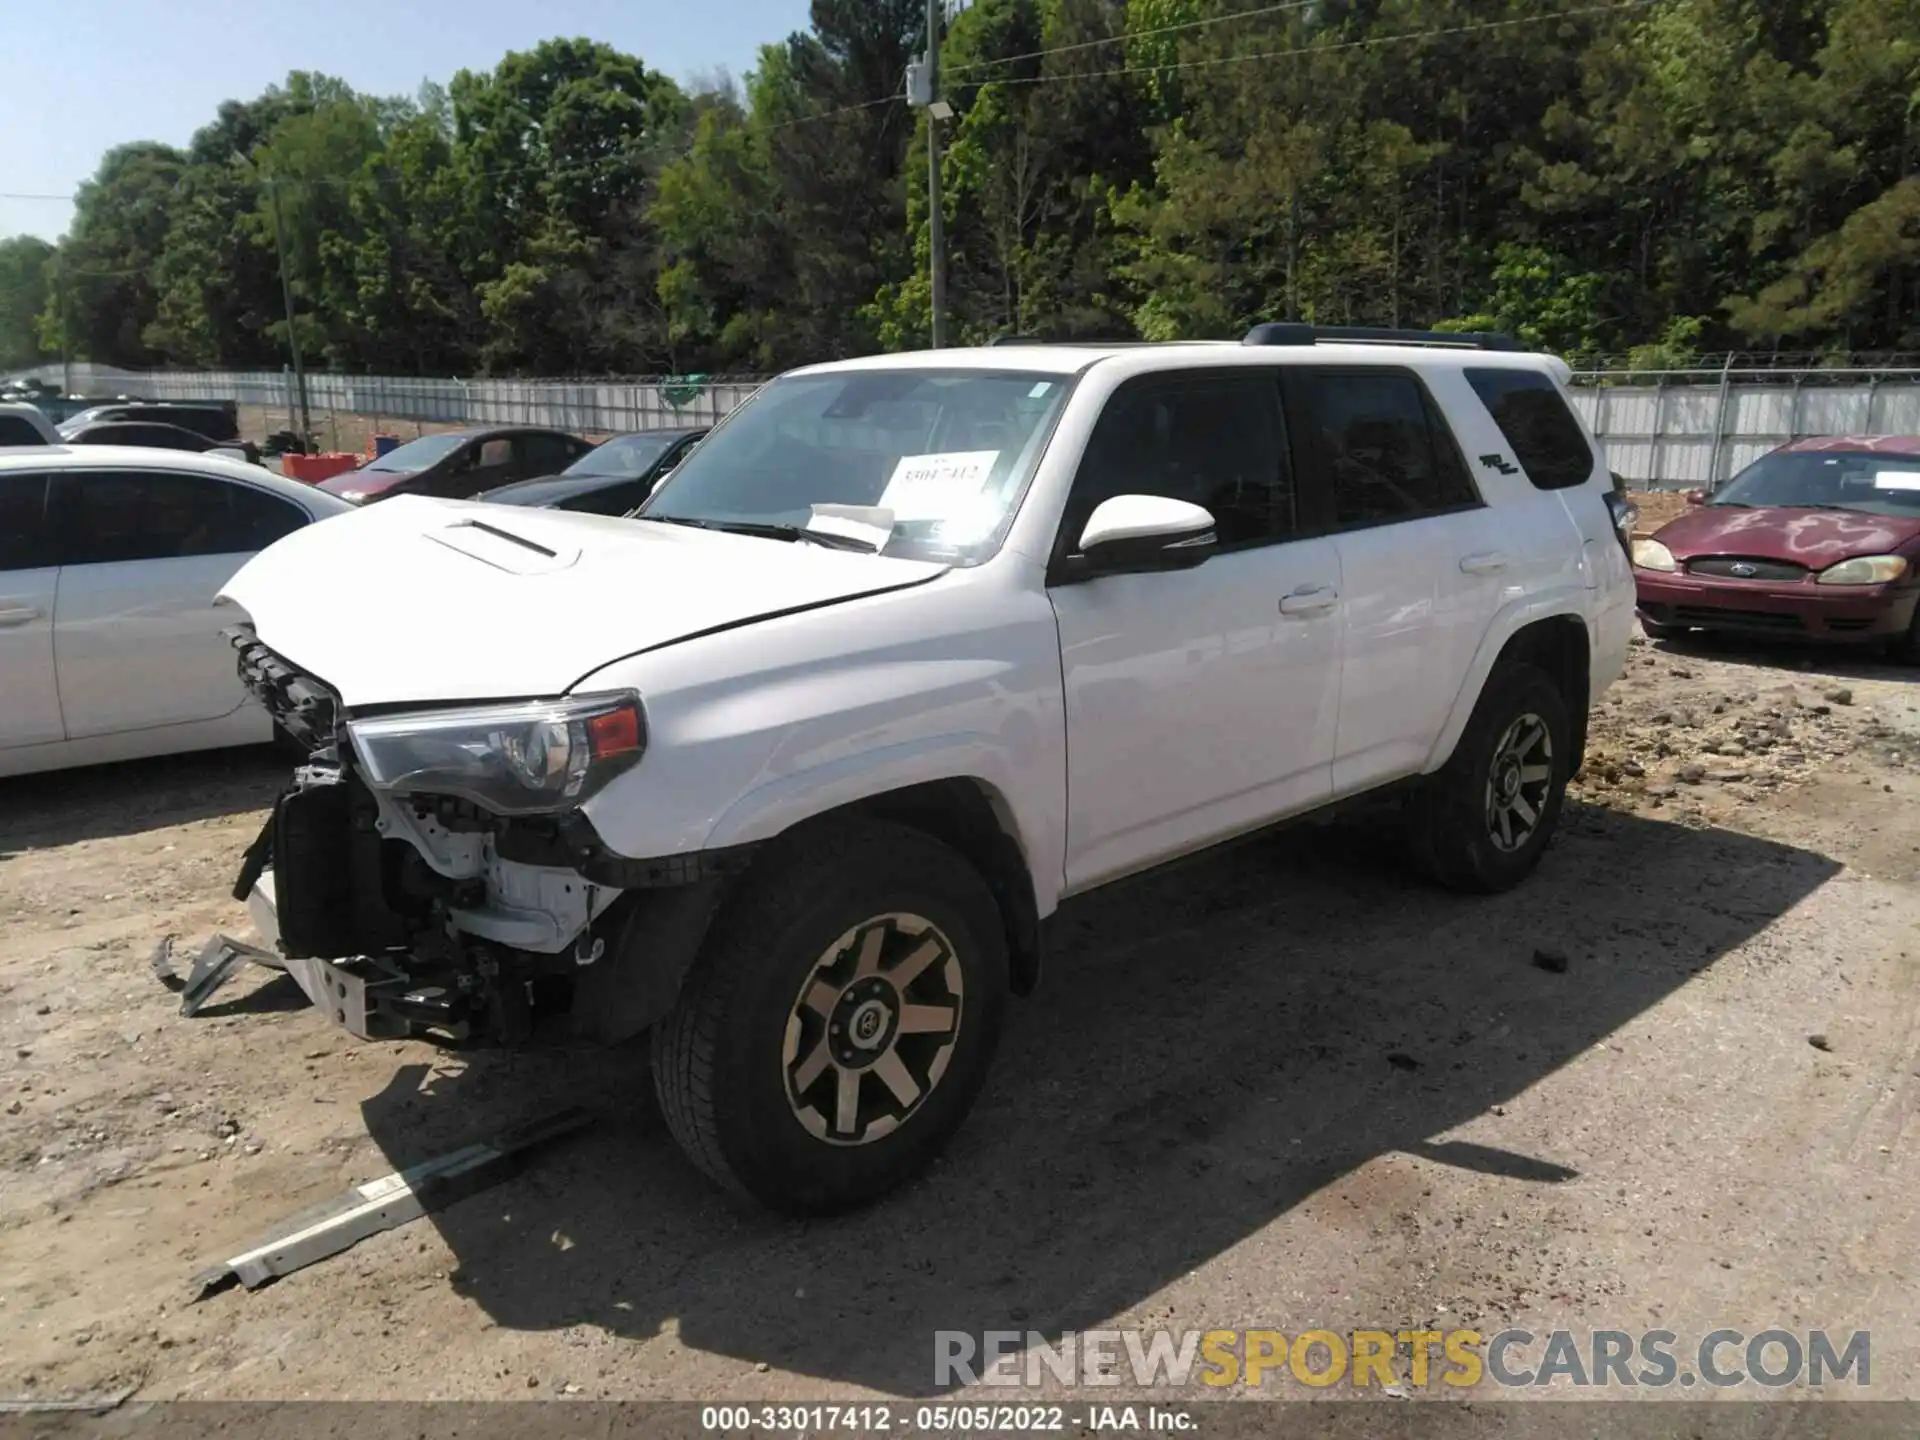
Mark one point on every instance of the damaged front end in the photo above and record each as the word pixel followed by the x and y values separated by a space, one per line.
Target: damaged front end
pixel 432 871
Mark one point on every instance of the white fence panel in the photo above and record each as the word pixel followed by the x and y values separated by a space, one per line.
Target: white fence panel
pixel 1694 428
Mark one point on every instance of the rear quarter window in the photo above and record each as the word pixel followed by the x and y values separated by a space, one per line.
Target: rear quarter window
pixel 18 430
pixel 1533 416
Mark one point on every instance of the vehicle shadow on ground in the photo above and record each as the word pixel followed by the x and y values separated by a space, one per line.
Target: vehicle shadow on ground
pixel 1790 658
pixel 96 802
pixel 1209 1047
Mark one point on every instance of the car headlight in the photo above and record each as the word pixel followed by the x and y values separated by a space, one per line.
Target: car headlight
pixel 533 758
pixel 1652 555
pixel 1864 570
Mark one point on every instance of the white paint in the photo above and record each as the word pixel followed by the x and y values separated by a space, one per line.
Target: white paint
pixel 120 661
pixel 1112 723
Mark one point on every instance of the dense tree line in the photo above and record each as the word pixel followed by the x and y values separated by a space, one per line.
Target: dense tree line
pixel 1665 178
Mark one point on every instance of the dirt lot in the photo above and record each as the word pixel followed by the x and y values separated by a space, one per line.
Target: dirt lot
pixel 1283 1086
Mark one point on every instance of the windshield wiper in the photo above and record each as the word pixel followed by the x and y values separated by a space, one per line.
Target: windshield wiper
pixel 767 531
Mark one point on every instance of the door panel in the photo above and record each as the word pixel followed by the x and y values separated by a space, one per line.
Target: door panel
pixel 1195 708
pixel 139 644
pixel 136 634
pixel 1421 559
pixel 1200 703
pixel 29 696
pixel 1414 619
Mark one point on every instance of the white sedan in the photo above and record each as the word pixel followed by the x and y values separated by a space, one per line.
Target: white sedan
pixel 110 558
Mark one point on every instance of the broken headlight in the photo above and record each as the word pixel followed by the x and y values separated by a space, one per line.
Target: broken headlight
pixel 531 758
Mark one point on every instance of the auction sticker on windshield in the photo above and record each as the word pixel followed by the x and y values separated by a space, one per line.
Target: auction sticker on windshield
pixel 1893 480
pixel 927 487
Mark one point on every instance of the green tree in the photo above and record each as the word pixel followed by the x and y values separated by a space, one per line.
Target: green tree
pixel 25 291
pixel 120 222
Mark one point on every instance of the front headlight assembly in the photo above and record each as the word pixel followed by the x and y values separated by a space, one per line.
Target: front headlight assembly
pixel 1652 555
pixel 537 757
pixel 1863 570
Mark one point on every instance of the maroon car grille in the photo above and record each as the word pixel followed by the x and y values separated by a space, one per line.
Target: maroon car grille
pixel 1713 617
pixel 1738 567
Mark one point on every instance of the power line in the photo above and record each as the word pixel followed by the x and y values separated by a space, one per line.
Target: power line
pixel 1327 49
pixel 830 114
pixel 16 195
pixel 1136 35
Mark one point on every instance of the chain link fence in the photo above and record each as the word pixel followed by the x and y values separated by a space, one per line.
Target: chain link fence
pixel 597 406
pixel 1663 430
pixel 1681 429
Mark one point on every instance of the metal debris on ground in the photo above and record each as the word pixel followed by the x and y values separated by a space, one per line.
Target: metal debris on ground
pixel 219 958
pixel 162 963
pixel 327 1229
pixel 96 1405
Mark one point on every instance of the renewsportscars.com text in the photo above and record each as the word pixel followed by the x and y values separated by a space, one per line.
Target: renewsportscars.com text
pixel 1409 1359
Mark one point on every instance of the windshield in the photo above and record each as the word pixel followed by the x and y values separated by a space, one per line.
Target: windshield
pixel 622 455
pixel 1841 479
pixel 418 454
pixel 73 424
pixel 945 454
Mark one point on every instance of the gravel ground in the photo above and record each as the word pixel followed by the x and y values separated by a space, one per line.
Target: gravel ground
pixel 1285 1085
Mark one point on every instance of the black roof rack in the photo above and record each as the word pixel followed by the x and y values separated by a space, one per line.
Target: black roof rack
pixel 1289 332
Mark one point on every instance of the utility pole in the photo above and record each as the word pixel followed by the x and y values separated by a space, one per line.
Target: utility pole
pixel 286 296
pixel 937 110
pixel 66 329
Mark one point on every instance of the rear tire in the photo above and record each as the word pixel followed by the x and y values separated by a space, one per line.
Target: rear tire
pixel 834 1032
pixel 1481 823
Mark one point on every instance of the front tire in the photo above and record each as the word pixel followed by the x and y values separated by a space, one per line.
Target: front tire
pixel 1904 649
pixel 839 1023
pixel 1481 823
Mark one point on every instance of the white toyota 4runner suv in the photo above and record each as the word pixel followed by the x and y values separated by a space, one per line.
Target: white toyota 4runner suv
pixel 790 767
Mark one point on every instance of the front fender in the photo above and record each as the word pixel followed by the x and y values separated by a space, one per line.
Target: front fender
pixel 1508 622
pixel 782 803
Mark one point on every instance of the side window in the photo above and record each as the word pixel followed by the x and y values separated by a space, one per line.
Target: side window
pixel 104 517
pixel 257 519
pixel 556 450
pixel 1534 417
pixel 1215 439
pixel 15 430
pixel 24 542
pixel 495 452
pixel 1388 453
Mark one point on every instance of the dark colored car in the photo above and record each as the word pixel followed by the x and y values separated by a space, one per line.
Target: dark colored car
pixel 459 464
pixel 610 479
pixel 1818 540
pixel 217 420
pixel 156 436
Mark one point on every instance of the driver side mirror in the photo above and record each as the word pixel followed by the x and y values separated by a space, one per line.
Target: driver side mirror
pixel 1697 497
pixel 1143 532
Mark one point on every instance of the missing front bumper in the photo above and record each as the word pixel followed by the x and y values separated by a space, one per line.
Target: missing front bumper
pixel 363 996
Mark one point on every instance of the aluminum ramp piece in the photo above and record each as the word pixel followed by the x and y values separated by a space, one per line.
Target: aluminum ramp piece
pixel 335 1225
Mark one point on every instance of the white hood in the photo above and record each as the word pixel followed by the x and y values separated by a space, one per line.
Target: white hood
pixel 414 599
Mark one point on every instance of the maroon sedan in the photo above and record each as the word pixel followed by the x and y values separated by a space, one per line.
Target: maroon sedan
pixel 1818 540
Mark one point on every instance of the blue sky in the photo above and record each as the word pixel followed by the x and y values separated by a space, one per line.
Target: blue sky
pixel 80 76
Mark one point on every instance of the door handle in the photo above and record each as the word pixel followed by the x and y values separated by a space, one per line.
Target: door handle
pixel 1490 562
pixel 11 615
pixel 1310 600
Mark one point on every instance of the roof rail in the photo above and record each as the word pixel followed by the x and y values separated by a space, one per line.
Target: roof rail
pixel 1016 340
pixel 1289 332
